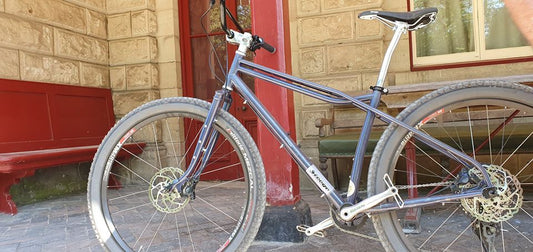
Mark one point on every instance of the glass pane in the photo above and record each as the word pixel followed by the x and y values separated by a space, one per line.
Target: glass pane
pixel 205 81
pixel 244 14
pixel 211 22
pixel 500 31
pixel 451 33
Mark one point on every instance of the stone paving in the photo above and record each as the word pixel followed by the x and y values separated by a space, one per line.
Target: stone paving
pixel 63 225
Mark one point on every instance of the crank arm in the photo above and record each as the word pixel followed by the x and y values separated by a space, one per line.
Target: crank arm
pixel 318 229
pixel 350 212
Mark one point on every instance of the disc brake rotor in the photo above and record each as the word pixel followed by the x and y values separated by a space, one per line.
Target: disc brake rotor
pixel 499 208
pixel 162 199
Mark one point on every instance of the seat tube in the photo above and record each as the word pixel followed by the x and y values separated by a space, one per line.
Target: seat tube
pixel 399 29
pixel 357 167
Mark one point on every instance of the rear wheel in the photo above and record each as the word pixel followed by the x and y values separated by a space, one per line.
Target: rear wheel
pixel 129 205
pixel 492 121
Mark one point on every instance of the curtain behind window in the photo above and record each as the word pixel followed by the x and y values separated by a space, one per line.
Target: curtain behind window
pixel 454 30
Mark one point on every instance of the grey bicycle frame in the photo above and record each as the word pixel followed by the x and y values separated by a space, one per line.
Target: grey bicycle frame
pixel 222 100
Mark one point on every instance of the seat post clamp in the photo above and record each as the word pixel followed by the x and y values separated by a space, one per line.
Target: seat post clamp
pixel 380 89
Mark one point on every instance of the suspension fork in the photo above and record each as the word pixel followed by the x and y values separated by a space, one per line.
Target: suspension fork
pixel 206 142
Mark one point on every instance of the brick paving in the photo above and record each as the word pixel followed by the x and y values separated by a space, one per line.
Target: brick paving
pixel 63 225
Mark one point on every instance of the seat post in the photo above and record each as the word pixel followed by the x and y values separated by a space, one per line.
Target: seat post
pixel 399 28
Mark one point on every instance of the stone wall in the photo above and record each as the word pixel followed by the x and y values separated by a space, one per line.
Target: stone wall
pixel 143 51
pixel 331 46
pixel 130 46
pixel 54 41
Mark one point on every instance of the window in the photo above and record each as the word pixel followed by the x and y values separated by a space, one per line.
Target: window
pixel 467 31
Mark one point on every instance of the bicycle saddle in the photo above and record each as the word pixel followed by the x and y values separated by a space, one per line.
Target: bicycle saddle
pixel 415 19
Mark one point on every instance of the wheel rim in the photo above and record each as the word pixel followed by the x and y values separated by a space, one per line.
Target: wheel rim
pixel 500 133
pixel 141 217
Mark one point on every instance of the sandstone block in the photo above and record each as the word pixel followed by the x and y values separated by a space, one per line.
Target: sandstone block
pixel 2 5
pixel 170 75
pixel 345 84
pixel 124 102
pixel 328 28
pixel 143 23
pixel 365 29
pixel 167 22
pixel 21 34
pixel 357 4
pixel 166 4
pixel 117 78
pixel 354 57
pixel 98 5
pixel 170 92
pixel 80 47
pixel 94 75
pixel 119 26
pixel 307 7
pixel 96 24
pixel 308 122
pixel 35 67
pixel 145 76
pixel 312 61
pixel 116 6
pixel 401 59
pixel 55 12
pixel 133 51
pixel 9 65
pixel 168 47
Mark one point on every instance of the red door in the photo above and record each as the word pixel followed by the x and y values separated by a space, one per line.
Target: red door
pixel 202 70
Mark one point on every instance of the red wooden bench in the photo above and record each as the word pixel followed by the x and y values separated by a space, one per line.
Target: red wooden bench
pixel 46 125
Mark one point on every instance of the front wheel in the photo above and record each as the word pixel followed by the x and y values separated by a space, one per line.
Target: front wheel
pixel 491 121
pixel 130 206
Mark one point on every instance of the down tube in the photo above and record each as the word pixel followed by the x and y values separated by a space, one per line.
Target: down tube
pixel 273 126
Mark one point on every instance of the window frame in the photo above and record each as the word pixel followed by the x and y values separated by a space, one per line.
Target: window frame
pixel 480 56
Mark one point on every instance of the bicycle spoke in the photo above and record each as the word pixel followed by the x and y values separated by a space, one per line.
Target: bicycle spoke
pixel 522 143
pixel 439 227
pixel 189 230
pixel 127 195
pixel 155 233
pixel 209 219
pixel 461 234
pixel 178 231
pixel 522 234
pixel 217 209
pixel 130 170
pixel 145 227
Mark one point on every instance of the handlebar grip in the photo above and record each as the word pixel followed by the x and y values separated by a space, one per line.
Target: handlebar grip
pixel 268 47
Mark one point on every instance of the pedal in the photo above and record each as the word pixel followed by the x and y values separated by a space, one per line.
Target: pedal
pixel 316 230
pixel 348 213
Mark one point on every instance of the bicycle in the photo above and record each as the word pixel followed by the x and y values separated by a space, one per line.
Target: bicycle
pixel 170 196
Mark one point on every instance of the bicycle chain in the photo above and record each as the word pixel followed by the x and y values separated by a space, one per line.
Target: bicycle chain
pixel 402 187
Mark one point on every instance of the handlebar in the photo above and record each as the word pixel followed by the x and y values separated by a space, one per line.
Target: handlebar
pixel 257 42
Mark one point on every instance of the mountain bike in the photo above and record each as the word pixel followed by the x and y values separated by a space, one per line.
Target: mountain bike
pixel 469 142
